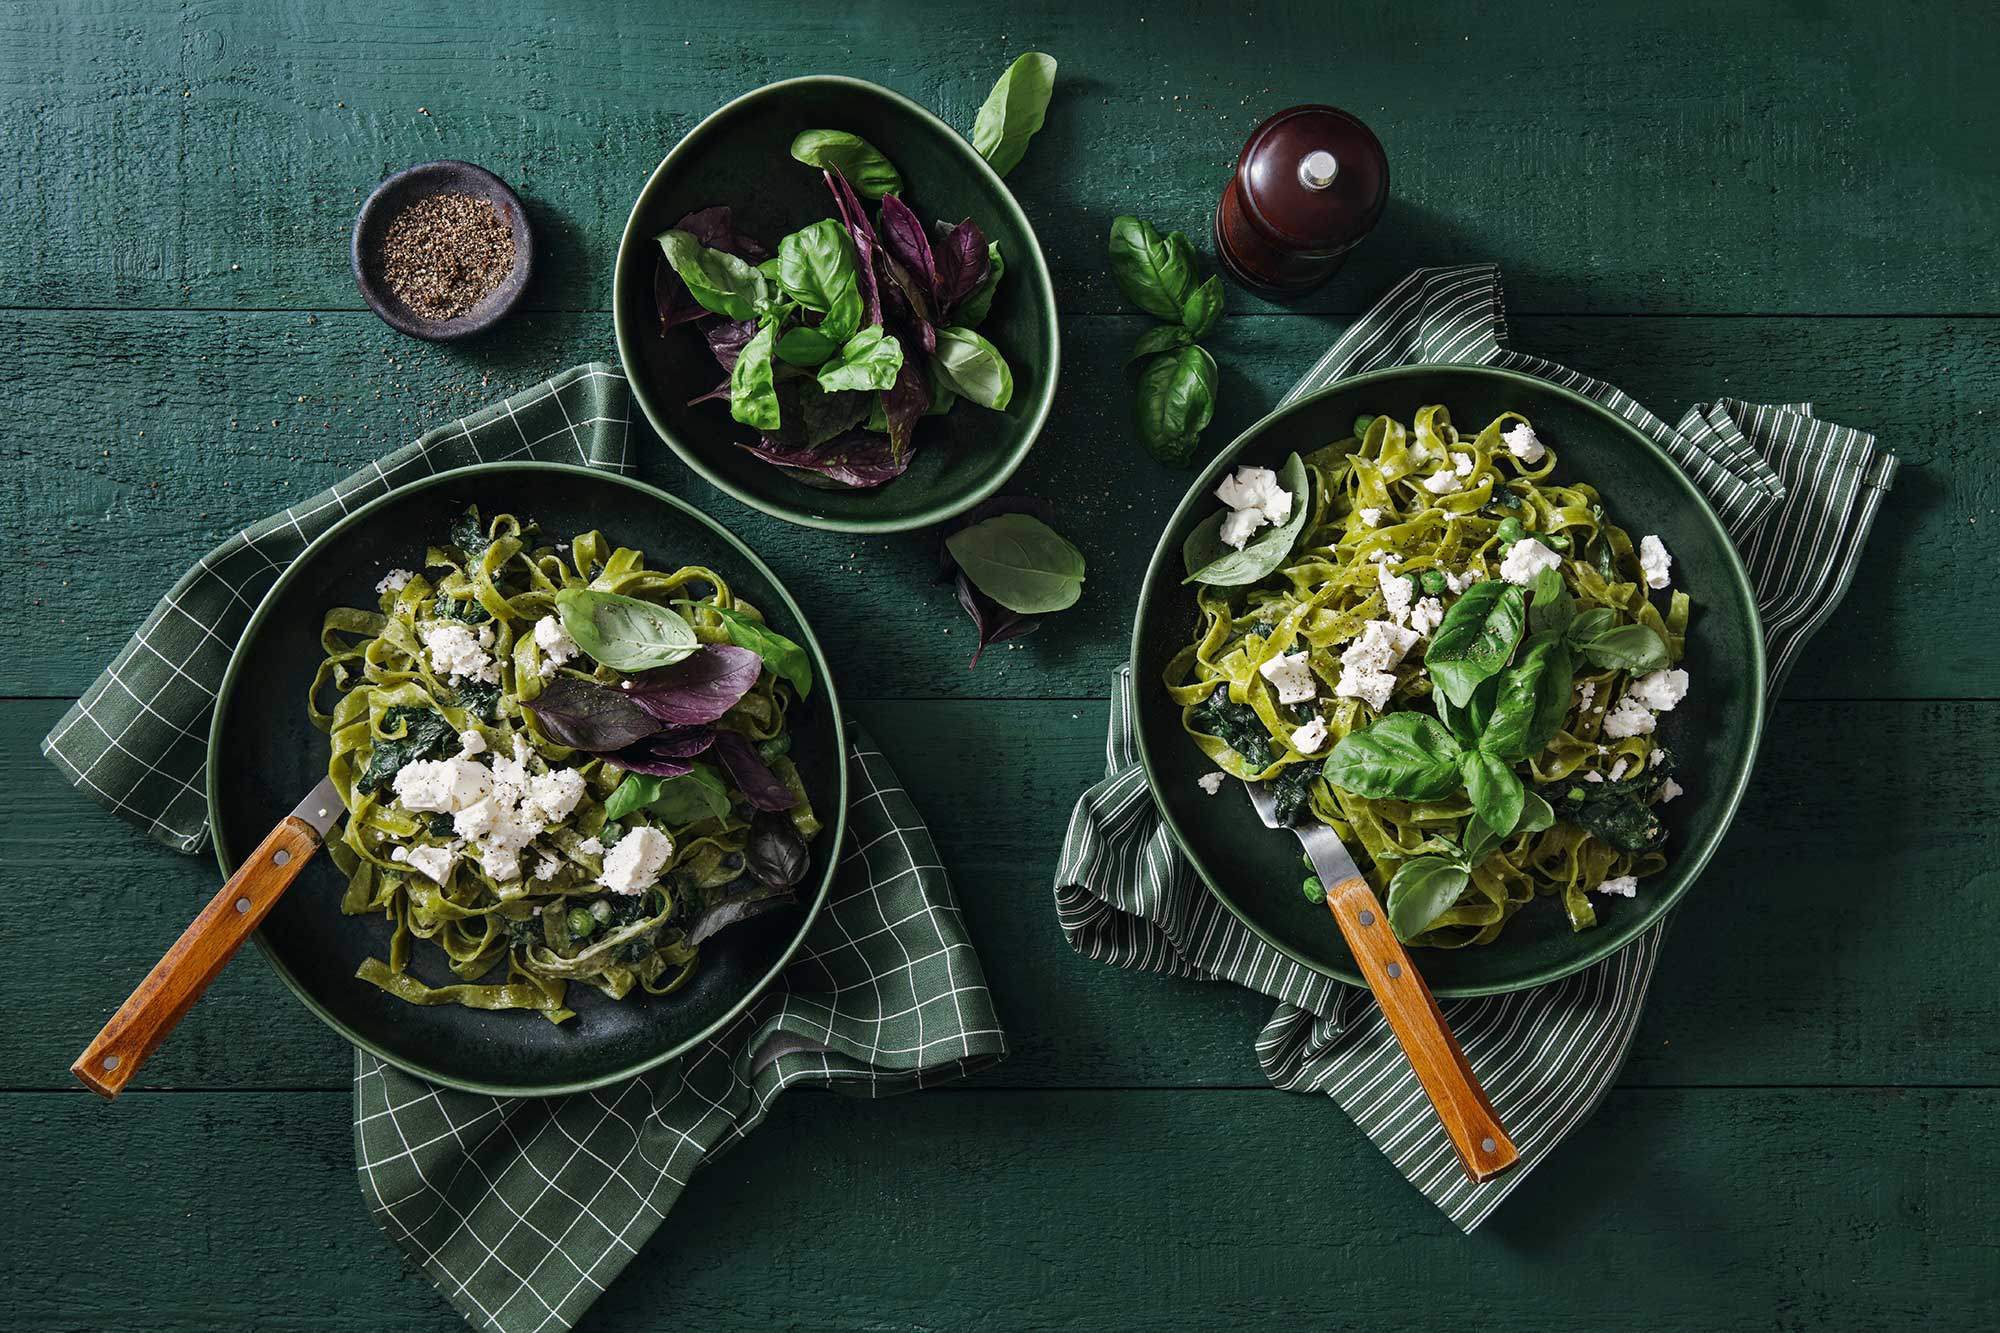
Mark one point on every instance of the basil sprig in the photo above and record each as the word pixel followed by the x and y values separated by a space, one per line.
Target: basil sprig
pixel 1475 639
pixel 1176 393
pixel 1424 888
pixel 623 632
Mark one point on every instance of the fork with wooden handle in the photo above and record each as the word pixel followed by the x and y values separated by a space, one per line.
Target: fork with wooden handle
pixel 1483 1148
pixel 210 941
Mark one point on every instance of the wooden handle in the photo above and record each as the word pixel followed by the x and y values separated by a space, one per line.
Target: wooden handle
pixel 1483 1148
pixel 210 940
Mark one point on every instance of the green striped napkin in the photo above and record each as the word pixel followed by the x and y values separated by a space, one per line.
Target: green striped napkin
pixel 1797 496
pixel 522 1211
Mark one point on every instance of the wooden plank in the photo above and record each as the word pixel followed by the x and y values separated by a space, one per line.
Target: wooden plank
pixel 1859 1209
pixel 164 157
pixel 1806 956
pixel 177 448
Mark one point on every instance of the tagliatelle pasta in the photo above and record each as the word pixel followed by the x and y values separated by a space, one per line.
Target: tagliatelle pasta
pixel 1403 523
pixel 445 674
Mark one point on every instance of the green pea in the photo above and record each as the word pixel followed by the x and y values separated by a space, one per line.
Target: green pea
pixel 581 923
pixel 1511 530
pixel 600 912
pixel 1556 541
pixel 1361 425
pixel 1433 581
pixel 1315 891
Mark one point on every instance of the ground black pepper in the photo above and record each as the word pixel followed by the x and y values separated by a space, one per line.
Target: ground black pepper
pixel 443 254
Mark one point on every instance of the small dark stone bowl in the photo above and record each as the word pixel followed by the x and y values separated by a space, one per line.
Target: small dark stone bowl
pixel 422 181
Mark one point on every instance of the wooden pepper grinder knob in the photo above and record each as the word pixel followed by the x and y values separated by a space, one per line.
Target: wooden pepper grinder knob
pixel 1309 186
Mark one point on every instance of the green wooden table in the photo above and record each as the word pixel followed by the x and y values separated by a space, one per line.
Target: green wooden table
pixel 1689 200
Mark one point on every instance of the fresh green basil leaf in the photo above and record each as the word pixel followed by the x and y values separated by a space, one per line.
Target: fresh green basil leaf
pixel 785 658
pixel 1208 559
pixel 632 792
pixel 973 368
pixel 1468 723
pixel 816 265
pixel 1020 562
pixel 1480 842
pixel 1014 110
pixel 1159 338
pixel 699 794
pixel 718 280
pixel 1625 648
pixel 1404 757
pixel 1554 607
pixel 969 312
pixel 1176 398
pixel 1496 793
pixel 870 359
pixel 870 173
pixel 1589 624
pixel 753 387
pixel 804 347
pixel 1156 273
pixel 623 632
pixel 1476 638
pixel 1536 815
pixel 1423 889
pixel 1533 700
pixel 1203 309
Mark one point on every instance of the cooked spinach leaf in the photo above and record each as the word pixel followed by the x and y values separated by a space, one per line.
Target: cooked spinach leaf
pixel 1292 789
pixel 410 734
pixel 1235 725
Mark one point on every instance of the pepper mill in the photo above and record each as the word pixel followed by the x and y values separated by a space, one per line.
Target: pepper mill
pixel 1310 184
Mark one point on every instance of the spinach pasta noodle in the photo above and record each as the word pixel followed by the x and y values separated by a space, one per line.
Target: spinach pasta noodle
pixel 559 765
pixel 1422 639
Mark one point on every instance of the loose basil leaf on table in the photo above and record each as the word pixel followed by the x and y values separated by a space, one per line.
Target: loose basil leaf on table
pixel 1175 400
pixel 1020 562
pixel 870 360
pixel 1404 757
pixel 1203 308
pixel 1476 638
pixel 1208 559
pixel 1014 110
pixel 753 388
pixel 974 308
pixel 717 279
pixel 872 174
pixel 1423 889
pixel 973 368
pixel 1156 273
pixel 623 632
pixel 786 659
pixel 1159 338
pixel 584 715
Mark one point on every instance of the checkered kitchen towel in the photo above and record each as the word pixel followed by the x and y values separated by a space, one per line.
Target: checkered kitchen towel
pixel 1797 496
pixel 523 1210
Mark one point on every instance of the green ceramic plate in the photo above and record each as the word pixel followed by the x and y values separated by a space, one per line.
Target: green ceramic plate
pixel 1255 871
pixel 264 754
pixel 741 156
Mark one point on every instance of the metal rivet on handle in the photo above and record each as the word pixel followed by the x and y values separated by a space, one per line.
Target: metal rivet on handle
pixel 1488 1145
pixel 1367 918
pixel 111 1062
pixel 280 856
pixel 242 904
pixel 1395 970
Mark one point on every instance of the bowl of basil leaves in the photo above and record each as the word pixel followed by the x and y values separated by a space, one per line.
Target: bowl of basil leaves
pixel 829 305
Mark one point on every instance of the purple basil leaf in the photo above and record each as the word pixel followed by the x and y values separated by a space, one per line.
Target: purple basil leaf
pixel 664 754
pixel 855 219
pixel 906 311
pixel 727 339
pixel 699 688
pixel 993 622
pixel 961 261
pixel 720 391
pixel 857 459
pixel 715 227
pixel 904 402
pixel 903 240
pixel 587 716
pixel 738 901
pixel 752 776
pixel 672 299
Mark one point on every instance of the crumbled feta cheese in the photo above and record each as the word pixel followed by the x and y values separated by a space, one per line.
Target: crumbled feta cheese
pixel 443 785
pixel 1654 561
pixel 433 863
pixel 1525 559
pixel 551 796
pixel 1593 776
pixel 1460 582
pixel 502 863
pixel 1441 483
pixel 634 865
pixel 1461 464
pixel 1291 675
pixel 1396 593
pixel 591 847
pixel 1656 758
pixel 556 645
pixel 470 743
pixel 1370 518
pixel 1368 666
pixel 1660 690
pixel 547 868
pixel 1255 498
pixel 1628 717
pixel 1618 769
pixel 458 654
pixel 1383 558
pixel 1523 444
pixel 1310 737
pixel 1211 782
pixel 1669 789
pixel 1426 615
pixel 1586 692
pixel 395 581
pixel 1625 886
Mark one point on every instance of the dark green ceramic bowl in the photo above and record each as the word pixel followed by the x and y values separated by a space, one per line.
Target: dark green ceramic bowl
pixel 1256 871
pixel 741 156
pixel 264 755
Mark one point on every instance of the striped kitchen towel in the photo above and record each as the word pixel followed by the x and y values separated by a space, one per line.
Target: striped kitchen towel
pixel 1797 496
